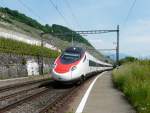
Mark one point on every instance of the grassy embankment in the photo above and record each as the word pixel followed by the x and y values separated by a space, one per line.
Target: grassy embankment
pixel 134 80
pixel 21 48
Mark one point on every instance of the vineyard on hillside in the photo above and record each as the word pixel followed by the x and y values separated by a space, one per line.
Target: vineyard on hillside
pixel 21 48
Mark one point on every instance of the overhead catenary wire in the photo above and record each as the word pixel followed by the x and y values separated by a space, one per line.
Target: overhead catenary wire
pixel 30 9
pixel 129 12
pixel 2 4
pixel 59 12
pixel 72 13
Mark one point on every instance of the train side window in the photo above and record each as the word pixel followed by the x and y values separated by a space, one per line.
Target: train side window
pixel 100 65
pixel 92 63
pixel 84 58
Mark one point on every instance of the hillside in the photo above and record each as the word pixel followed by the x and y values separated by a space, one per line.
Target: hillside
pixel 15 15
pixel 18 22
pixel 21 48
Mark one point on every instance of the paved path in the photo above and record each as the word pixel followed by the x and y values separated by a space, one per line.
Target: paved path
pixel 103 98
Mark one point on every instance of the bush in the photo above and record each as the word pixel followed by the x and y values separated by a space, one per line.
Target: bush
pixel 127 60
pixel 134 80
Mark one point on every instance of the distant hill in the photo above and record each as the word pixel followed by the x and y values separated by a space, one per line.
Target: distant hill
pixel 54 29
pixel 13 20
pixel 58 29
pixel 113 55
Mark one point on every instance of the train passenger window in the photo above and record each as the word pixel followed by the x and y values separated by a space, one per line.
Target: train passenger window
pixel 100 65
pixel 69 57
pixel 92 63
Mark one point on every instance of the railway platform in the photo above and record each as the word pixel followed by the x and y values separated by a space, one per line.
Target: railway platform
pixel 100 96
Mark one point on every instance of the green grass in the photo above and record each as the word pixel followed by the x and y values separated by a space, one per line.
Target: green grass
pixel 134 80
pixel 21 48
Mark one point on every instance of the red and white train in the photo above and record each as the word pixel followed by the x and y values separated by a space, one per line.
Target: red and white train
pixel 76 64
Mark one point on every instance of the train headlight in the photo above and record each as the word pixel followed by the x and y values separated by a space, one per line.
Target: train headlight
pixel 73 68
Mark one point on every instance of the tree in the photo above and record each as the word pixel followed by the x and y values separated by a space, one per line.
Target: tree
pixel 127 59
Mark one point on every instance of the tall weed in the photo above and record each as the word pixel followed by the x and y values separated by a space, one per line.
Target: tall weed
pixel 134 80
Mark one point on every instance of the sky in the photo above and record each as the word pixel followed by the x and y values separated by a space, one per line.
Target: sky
pixel 132 16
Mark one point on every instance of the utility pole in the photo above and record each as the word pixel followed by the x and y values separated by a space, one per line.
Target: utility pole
pixel 42 44
pixel 117 48
pixel 72 39
pixel 96 32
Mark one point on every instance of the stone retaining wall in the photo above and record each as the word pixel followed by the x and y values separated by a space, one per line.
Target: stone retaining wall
pixel 12 65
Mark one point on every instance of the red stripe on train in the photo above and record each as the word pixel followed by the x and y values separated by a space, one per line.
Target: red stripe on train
pixel 64 68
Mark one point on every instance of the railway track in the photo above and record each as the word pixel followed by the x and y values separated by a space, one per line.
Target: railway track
pixel 13 95
pixel 37 97
pixel 53 106
pixel 62 100
pixel 39 101
pixel 15 98
pixel 15 101
pixel 18 85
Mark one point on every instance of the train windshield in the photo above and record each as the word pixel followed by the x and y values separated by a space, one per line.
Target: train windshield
pixel 67 58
